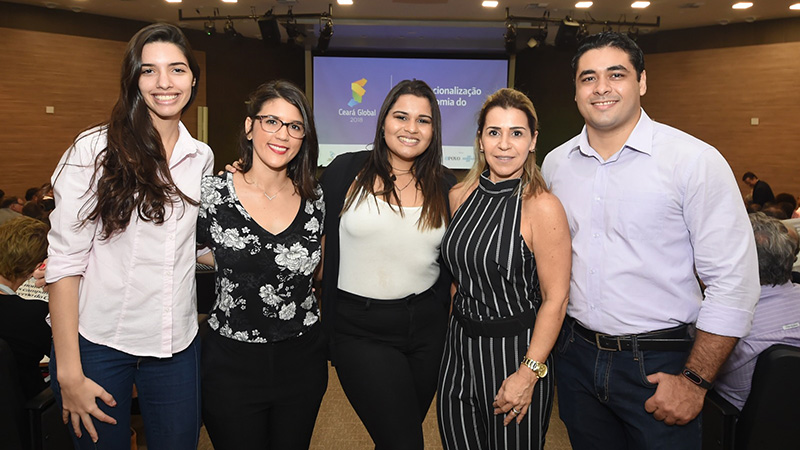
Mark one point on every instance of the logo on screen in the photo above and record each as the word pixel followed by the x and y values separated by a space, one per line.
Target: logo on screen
pixel 358 92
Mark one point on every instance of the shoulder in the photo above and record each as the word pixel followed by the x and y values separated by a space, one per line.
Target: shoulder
pixel 342 171
pixel 556 156
pixel 543 204
pixel 347 160
pixel 88 145
pixel 459 193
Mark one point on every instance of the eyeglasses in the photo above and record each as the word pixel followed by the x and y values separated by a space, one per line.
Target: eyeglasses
pixel 271 124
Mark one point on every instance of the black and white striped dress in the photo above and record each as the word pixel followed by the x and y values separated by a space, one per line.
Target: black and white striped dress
pixel 496 275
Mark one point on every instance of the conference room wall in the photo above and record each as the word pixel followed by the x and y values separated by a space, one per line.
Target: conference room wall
pixel 29 152
pixel 78 77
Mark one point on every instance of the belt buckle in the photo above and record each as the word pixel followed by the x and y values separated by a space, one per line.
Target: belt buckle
pixel 600 346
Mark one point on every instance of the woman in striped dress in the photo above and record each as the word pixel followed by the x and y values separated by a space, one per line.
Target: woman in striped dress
pixel 508 248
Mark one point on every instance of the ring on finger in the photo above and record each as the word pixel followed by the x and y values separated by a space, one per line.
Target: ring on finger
pixel 514 410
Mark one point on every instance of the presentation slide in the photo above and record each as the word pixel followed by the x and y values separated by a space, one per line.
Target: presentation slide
pixel 348 93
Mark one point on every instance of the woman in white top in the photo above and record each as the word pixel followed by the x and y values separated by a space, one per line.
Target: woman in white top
pixel 122 257
pixel 385 297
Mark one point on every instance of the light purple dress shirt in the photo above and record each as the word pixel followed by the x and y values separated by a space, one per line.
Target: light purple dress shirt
pixel 137 291
pixel 776 321
pixel 642 222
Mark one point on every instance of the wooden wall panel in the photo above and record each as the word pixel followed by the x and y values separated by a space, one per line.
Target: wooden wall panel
pixel 713 94
pixel 78 76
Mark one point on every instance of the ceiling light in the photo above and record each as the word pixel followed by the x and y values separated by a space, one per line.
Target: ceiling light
pixel 230 1
pixel 325 34
pixel 795 7
pixel 210 28
pixel 490 3
pixel 640 5
pixel 230 32
pixel 583 4
pixel 742 5
pixel 174 1
pixel 344 2
pixel 510 38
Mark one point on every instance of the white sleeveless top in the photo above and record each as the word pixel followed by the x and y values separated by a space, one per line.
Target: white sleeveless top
pixel 384 255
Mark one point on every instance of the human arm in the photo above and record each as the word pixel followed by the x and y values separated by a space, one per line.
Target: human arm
pixel 206 258
pixel 78 393
pixel 677 400
pixel 726 263
pixel 545 229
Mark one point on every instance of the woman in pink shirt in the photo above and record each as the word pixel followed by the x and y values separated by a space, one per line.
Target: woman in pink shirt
pixel 122 257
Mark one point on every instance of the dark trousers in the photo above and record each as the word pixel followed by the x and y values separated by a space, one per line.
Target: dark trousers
pixel 263 396
pixel 601 396
pixel 387 355
pixel 168 389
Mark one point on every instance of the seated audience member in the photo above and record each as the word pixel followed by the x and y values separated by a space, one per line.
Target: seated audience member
pixel 23 246
pixel 775 210
pixel 777 315
pixel 36 211
pixel 30 194
pixel 788 202
pixel 10 208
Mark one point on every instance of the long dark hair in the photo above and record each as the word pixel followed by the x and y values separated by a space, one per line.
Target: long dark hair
pixel 302 168
pixel 427 167
pixel 132 172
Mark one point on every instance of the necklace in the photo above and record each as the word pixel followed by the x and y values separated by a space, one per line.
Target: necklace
pixel 269 197
pixel 407 184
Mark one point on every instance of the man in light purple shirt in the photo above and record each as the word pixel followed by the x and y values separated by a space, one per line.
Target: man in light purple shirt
pixel 650 209
pixel 777 316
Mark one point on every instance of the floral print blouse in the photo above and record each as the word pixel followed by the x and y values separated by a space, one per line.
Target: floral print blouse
pixel 263 281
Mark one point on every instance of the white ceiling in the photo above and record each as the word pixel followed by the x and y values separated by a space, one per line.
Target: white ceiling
pixel 430 24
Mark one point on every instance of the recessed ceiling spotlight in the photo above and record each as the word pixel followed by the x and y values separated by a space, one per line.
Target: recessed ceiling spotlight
pixel 640 5
pixel 742 5
pixel 583 4
pixel 490 3
pixel 230 1
pixel 344 2
pixel 174 1
pixel 795 7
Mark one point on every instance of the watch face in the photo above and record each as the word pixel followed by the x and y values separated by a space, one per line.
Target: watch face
pixel 541 371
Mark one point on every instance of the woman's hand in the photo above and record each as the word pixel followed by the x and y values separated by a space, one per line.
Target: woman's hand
pixel 38 275
pixel 232 168
pixel 79 405
pixel 514 395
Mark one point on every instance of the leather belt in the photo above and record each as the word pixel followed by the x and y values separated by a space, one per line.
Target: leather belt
pixel 670 339
pixel 502 327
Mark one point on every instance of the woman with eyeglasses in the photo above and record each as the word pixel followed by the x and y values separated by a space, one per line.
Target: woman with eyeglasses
pixel 264 362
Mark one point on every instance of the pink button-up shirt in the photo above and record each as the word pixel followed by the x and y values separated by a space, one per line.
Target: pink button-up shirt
pixel 137 293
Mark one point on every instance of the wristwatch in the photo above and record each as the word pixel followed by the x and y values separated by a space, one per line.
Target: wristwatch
pixel 538 368
pixel 695 378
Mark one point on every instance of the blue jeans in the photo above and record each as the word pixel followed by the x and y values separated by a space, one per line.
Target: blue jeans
pixel 169 396
pixel 601 396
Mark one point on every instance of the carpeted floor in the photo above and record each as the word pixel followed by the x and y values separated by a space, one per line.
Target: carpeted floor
pixel 338 427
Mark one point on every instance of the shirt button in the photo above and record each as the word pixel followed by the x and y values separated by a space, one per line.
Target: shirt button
pixel 597 199
pixel 597 235
pixel 593 271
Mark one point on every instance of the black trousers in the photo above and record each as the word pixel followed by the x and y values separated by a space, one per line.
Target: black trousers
pixel 387 356
pixel 263 396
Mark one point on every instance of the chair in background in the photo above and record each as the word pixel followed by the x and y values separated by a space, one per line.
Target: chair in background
pixel 770 419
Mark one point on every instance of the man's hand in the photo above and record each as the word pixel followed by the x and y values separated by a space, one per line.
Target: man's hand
pixel 677 400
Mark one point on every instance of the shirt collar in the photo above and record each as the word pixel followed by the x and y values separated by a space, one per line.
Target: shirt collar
pixel 640 140
pixel 184 148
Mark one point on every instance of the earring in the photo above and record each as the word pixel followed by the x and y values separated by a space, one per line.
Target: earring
pixel 194 82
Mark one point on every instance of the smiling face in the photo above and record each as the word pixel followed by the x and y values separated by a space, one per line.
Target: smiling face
pixel 274 150
pixel 165 81
pixel 506 141
pixel 408 129
pixel 607 91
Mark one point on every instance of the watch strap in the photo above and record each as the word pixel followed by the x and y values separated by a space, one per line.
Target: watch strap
pixel 695 378
pixel 538 368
